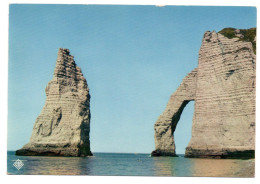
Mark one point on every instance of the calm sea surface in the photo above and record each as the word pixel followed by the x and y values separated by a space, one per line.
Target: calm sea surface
pixel 122 164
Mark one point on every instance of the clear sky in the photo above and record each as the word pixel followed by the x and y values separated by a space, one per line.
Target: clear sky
pixel 133 57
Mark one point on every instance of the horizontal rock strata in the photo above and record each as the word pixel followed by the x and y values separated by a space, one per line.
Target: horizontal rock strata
pixel 167 122
pixel 62 128
pixel 224 93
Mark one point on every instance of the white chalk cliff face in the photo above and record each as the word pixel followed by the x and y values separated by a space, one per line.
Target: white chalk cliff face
pixel 223 88
pixel 167 122
pixel 63 126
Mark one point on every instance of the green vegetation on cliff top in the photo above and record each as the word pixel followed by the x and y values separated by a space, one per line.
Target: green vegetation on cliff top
pixel 248 35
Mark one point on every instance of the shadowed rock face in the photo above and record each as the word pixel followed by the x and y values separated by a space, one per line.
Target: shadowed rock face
pixel 62 128
pixel 223 88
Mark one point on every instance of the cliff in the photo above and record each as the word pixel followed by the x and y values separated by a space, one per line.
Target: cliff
pixel 62 128
pixel 223 88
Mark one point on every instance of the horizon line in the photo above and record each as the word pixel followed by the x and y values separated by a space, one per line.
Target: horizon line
pixel 117 152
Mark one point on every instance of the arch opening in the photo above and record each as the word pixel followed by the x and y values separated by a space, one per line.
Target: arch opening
pixel 183 127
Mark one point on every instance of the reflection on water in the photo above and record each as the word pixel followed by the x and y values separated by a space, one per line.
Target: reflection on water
pixel 117 164
pixel 163 166
pixel 172 166
pixel 222 167
pixel 54 166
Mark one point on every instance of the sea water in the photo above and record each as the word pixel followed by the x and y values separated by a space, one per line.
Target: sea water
pixel 129 164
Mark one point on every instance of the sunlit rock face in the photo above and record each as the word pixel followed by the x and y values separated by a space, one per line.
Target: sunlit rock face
pixel 223 88
pixel 62 128
pixel 167 122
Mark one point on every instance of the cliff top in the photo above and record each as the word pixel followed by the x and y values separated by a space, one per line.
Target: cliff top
pixel 248 35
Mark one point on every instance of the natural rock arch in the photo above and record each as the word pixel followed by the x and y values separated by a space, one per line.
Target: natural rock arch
pixel 167 122
pixel 223 88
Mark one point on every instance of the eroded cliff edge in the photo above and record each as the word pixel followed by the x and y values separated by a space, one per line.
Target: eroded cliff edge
pixel 223 88
pixel 63 126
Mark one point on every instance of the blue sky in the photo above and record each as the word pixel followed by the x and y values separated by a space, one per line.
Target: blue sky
pixel 133 57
